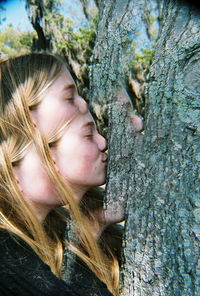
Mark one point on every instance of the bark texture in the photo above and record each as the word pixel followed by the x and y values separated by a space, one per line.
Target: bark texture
pixel 157 176
pixel 120 23
pixel 162 232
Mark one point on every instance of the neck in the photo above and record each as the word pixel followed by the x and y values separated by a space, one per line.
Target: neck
pixel 41 211
pixel 78 192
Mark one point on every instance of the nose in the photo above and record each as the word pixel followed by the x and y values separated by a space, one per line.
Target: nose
pixel 102 143
pixel 82 105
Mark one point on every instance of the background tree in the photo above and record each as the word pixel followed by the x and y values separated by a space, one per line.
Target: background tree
pixel 36 11
pixel 56 33
pixel 14 42
pixel 156 176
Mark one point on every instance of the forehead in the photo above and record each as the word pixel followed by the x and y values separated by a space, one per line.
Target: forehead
pixel 63 81
pixel 82 121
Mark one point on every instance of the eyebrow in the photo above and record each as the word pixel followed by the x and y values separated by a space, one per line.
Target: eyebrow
pixel 69 86
pixel 88 124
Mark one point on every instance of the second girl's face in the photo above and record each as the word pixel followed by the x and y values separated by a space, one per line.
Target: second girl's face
pixel 80 155
pixel 59 105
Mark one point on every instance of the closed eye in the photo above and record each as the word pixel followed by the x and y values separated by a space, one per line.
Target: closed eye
pixel 33 107
pixel 69 92
pixel 53 143
pixel 70 99
pixel 90 131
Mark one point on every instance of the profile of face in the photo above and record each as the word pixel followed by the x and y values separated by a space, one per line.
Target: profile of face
pixel 60 104
pixel 79 153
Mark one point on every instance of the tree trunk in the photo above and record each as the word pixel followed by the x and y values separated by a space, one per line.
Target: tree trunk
pixel 35 11
pixel 157 176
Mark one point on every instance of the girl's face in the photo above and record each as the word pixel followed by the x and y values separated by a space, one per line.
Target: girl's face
pixel 59 105
pixel 80 155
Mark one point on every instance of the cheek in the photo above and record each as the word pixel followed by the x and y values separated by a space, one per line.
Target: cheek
pixel 37 185
pixel 89 154
pixel 90 160
pixel 87 164
pixel 75 164
pixel 42 183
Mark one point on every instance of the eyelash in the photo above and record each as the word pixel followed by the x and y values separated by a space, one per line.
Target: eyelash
pixel 34 107
pixel 90 135
pixel 70 99
pixel 53 144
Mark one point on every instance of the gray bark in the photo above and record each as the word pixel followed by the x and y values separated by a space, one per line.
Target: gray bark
pixel 157 177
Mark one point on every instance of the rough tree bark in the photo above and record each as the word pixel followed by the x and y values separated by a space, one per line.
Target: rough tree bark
pixel 157 177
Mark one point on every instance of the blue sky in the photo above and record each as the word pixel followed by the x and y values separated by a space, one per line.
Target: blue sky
pixel 16 14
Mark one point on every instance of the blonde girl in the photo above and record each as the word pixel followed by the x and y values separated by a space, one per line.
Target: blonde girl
pixel 50 155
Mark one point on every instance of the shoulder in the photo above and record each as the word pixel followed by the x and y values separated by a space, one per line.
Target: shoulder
pixel 4 235
pixel 80 277
pixel 22 272
pixel 13 248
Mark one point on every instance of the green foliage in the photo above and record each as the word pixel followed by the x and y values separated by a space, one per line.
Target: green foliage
pixel 64 38
pixel 13 42
pixel 83 41
pixel 144 58
pixel 137 77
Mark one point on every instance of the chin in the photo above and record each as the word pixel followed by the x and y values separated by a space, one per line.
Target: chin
pixel 100 183
pixel 95 184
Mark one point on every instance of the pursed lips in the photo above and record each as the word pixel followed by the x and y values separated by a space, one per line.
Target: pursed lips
pixel 104 157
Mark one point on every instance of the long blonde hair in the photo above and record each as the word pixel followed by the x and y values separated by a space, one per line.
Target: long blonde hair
pixel 23 81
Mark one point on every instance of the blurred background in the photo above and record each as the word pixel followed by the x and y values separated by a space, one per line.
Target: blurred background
pixel 69 28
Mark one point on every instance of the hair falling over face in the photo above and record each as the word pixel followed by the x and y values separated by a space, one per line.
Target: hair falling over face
pixel 23 81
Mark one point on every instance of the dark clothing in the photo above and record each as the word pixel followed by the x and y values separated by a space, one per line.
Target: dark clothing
pixel 81 278
pixel 23 273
